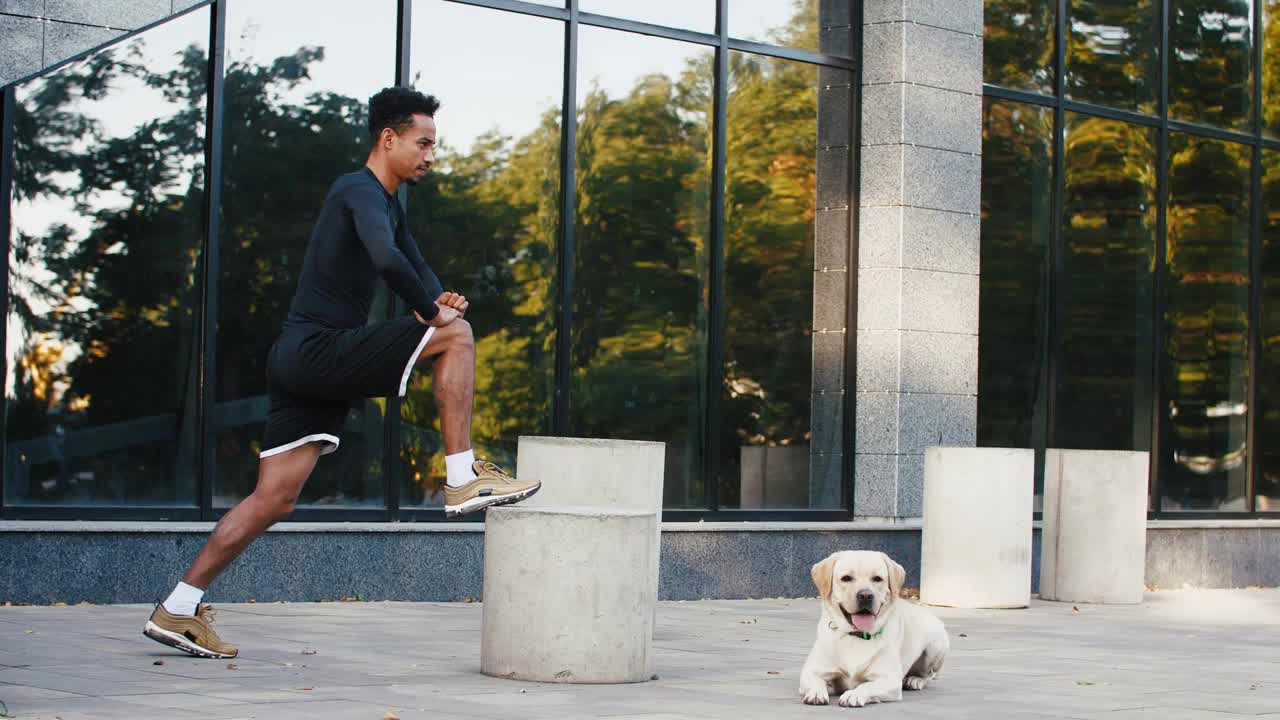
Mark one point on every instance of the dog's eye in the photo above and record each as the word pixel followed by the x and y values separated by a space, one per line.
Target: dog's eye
pixel 877 579
pixel 846 578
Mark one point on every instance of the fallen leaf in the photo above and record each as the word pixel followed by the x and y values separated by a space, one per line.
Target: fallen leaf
pixel 309 651
pixel 306 688
pixel 29 632
pixel 774 672
pixel 59 604
pixel 158 662
pixel 1084 682
pixel 963 635
pixel 1075 609
pixel 232 666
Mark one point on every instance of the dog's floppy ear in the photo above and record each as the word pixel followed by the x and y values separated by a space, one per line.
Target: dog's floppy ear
pixel 897 575
pixel 822 572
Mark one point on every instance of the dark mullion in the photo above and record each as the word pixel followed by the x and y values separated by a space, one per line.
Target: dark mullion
pixel 568 203
pixel 391 467
pixel 715 290
pixel 798 516
pixel 1057 251
pixel 1155 464
pixel 787 53
pixel 849 435
pixel 1255 272
pixel 208 372
pixel 8 111
pixel 1189 128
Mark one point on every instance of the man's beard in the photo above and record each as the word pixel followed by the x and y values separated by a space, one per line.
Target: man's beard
pixel 414 180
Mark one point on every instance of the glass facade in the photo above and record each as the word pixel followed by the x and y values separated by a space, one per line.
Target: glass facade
pixel 631 215
pixel 1128 291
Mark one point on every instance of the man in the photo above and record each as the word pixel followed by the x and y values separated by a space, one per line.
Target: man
pixel 326 357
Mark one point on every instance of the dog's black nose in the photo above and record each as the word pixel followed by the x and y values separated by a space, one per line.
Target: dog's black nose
pixel 865 597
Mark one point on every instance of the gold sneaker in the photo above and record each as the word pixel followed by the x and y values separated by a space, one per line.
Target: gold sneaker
pixel 192 635
pixel 492 486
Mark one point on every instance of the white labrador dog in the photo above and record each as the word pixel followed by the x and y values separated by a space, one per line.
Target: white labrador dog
pixel 871 644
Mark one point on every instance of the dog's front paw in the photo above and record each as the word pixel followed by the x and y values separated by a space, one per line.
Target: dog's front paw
pixel 853 698
pixel 817 697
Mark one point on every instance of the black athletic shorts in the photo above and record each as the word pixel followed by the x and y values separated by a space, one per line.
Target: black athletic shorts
pixel 316 373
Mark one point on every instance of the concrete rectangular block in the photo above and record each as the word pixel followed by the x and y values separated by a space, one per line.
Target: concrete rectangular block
pixel 826 480
pixel 941 179
pixel 875 485
pixel 939 363
pixel 929 420
pixel 828 361
pixel 882 110
pixel 882 60
pixel 834 181
pixel 940 301
pixel 941 58
pixel 959 15
pixel 879 361
pixel 1235 553
pixel 939 240
pixel 29 8
pixel 882 11
pixel 830 300
pixel 878 422
pixel 835 111
pixel 835 12
pixel 831 239
pixel 120 15
pixel 937 118
pixel 880 298
pixel 22 49
pixel 882 168
pixel 910 486
pixel 880 236
pixel 836 40
pixel 1093 545
pixel 977 538
pixel 63 40
pixel 827 422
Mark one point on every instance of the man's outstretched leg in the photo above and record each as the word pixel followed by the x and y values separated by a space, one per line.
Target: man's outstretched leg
pixel 470 484
pixel 181 620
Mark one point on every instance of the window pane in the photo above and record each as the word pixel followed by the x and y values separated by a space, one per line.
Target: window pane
pixel 487 220
pixel 1267 476
pixel 1113 53
pixel 1206 376
pixel 104 275
pixel 778 175
pixel 1017 174
pixel 699 15
pixel 1017 48
pixel 1209 60
pixel 1271 67
pixel 641 233
pixel 818 25
pixel 1108 228
pixel 295 120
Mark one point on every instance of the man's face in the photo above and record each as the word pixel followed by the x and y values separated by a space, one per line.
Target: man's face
pixel 412 151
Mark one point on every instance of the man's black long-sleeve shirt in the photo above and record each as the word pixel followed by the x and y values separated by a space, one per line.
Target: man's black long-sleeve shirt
pixel 361 235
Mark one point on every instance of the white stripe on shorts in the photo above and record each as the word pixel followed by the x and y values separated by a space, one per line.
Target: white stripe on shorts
pixel 413 359
pixel 318 437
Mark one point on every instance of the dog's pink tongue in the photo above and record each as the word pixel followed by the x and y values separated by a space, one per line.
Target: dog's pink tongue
pixel 864 622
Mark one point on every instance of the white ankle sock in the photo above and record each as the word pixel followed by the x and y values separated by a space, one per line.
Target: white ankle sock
pixel 184 599
pixel 458 467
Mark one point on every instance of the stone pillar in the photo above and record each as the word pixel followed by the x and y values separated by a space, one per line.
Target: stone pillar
pixel 917 333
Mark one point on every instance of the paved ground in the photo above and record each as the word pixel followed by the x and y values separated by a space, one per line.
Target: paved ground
pixel 1187 654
